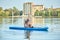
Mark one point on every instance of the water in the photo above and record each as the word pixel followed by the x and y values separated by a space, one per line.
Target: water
pixel 52 34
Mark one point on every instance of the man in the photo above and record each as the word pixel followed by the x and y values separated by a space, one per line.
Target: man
pixel 27 24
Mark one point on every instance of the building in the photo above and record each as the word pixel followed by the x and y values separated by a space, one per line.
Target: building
pixel 37 7
pixel 29 8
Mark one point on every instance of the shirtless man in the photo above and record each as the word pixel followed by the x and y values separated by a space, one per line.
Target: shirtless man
pixel 27 24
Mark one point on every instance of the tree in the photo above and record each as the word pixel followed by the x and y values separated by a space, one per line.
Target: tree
pixel 1 8
pixel 58 12
pixel 54 13
pixel 36 13
pixel 16 11
pixel 10 11
pixel 21 12
pixel 3 14
pixel 40 13
pixel 46 13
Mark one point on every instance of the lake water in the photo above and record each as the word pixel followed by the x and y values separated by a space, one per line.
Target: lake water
pixel 52 23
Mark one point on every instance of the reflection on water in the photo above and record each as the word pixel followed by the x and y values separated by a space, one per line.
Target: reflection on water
pixel 1 20
pixel 38 20
pixel 52 23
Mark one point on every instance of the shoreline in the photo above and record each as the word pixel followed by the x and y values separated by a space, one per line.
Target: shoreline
pixel 32 16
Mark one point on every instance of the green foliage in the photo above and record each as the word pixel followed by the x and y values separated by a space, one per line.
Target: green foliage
pixel 1 8
pixel 3 14
pixel 53 13
pixel 10 14
pixel 58 12
pixel 40 13
pixel 21 12
pixel 46 13
pixel 36 13
pixel 16 12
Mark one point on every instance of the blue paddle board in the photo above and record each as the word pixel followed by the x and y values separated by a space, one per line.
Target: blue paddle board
pixel 30 29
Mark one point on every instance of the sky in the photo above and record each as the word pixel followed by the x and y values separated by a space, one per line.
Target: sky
pixel 5 4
